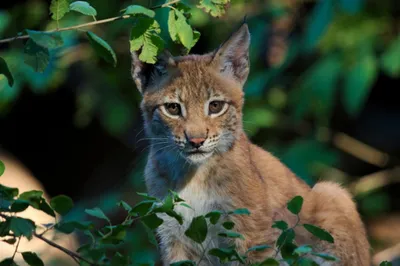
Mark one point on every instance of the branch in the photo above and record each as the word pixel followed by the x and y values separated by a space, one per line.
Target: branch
pixel 103 21
pixel 74 255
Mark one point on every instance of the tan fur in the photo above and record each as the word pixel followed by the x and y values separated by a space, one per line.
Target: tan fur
pixel 238 174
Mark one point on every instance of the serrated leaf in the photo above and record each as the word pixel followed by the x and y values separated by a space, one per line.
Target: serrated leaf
pixel 58 8
pixel 45 39
pixel 184 263
pixel 258 248
pixel 241 211
pixel 214 216
pixel 390 59
pixel 215 8
pixel 305 249
pixel 197 230
pixel 6 72
pixel 36 56
pixel 152 221
pixel 98 213
pixel 22 227
pixel 282 225
pixel 144 37
pixel 295 204
pixel 102 48
pixel 83 7
pixel 230 234
pixel 136 9
pixel 317 23
pixel 319 232
pixel 286 236
pixel 61 204
pixel 32 259
pixel 228 225
pixel 325 256
pixel 358 83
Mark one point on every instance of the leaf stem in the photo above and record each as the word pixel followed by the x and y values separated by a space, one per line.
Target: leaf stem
pixel 89 24
pixel 16 248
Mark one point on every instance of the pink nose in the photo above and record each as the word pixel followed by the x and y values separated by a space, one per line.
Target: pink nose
pixel 197 142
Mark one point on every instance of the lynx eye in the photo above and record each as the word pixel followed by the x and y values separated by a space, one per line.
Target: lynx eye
pixel 216 107
pixel 173 109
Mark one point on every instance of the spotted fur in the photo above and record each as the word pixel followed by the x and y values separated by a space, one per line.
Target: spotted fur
pixel 231 172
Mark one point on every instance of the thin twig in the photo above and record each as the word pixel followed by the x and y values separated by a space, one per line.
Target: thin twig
pixel 16 248
pixel 72 254
pixel 107 20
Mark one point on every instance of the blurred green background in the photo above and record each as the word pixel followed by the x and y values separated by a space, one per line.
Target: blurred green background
pixel 322 95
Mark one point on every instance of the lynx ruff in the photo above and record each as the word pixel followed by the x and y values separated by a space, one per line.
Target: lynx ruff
pixel 192 108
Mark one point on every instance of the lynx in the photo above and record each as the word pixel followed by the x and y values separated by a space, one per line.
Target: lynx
pixel 192 108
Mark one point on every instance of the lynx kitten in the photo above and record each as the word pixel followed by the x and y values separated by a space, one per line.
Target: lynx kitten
pixel 192 107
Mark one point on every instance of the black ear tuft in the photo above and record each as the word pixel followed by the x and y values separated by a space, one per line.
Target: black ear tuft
pixel 145 74
pixel 232 57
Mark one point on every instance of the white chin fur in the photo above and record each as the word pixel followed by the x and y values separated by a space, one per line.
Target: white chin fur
pixel 198 158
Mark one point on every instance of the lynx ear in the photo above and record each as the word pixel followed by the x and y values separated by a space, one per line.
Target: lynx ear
pixel 145 74
pixel 232 57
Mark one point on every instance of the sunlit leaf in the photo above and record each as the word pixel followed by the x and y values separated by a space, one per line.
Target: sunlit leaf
pixel 6 72
pixel 36 56
pixel 32 259
pixel 58 8
pixel 319 232
pixel 83 8
pixel 216 8
pixel 48 40
pixel 102 48
pixel 197 230
pixel 136 9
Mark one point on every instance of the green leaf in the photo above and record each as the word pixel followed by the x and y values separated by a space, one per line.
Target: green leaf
pixel 351 6
pixel 390 59
pixel 184 263
pixel 124 205
pixel 61 204
pixel 258 248
pixel 280 225
pixel 214 216
pixel 176 197
pixel 386 263
pixel 173 31
pixel 119 260
pixel 146 196
pixel 22 227
pixel 98 213
pixel 215 8
pixel 319 232
pixel 142 208
pixel 325 256
pixel 183 31
pixel 19 205
pixel 102 48
pixel 186 205
pixel 68 227
pixel 358 83
pixel 36 56
pixel 5 228
pixel 241 211
pixel 286 236
pixel 10 241
pixel 317 23
pixel 224 254
pixel 144 37
pixel 305 249
pixel 167 204
pixel 47 40
pixel 36 200
pixel 58 8
pixel 8 262
pixel 306 262
pixel 287 252
pixel 228 225
pixel 197 230
pixel 7 193
pixel 32 259
pixel 150 235
pixel 6 72
pixel 152 221
pixel 136 9
pixel 175 215
pixel 269 262
pixel 295 204
pixel 83 7
pixel 231 234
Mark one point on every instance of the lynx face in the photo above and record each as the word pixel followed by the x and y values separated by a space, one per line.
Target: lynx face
pixel 192 105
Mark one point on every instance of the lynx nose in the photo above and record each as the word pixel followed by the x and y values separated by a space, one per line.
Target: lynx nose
pixel 196 142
